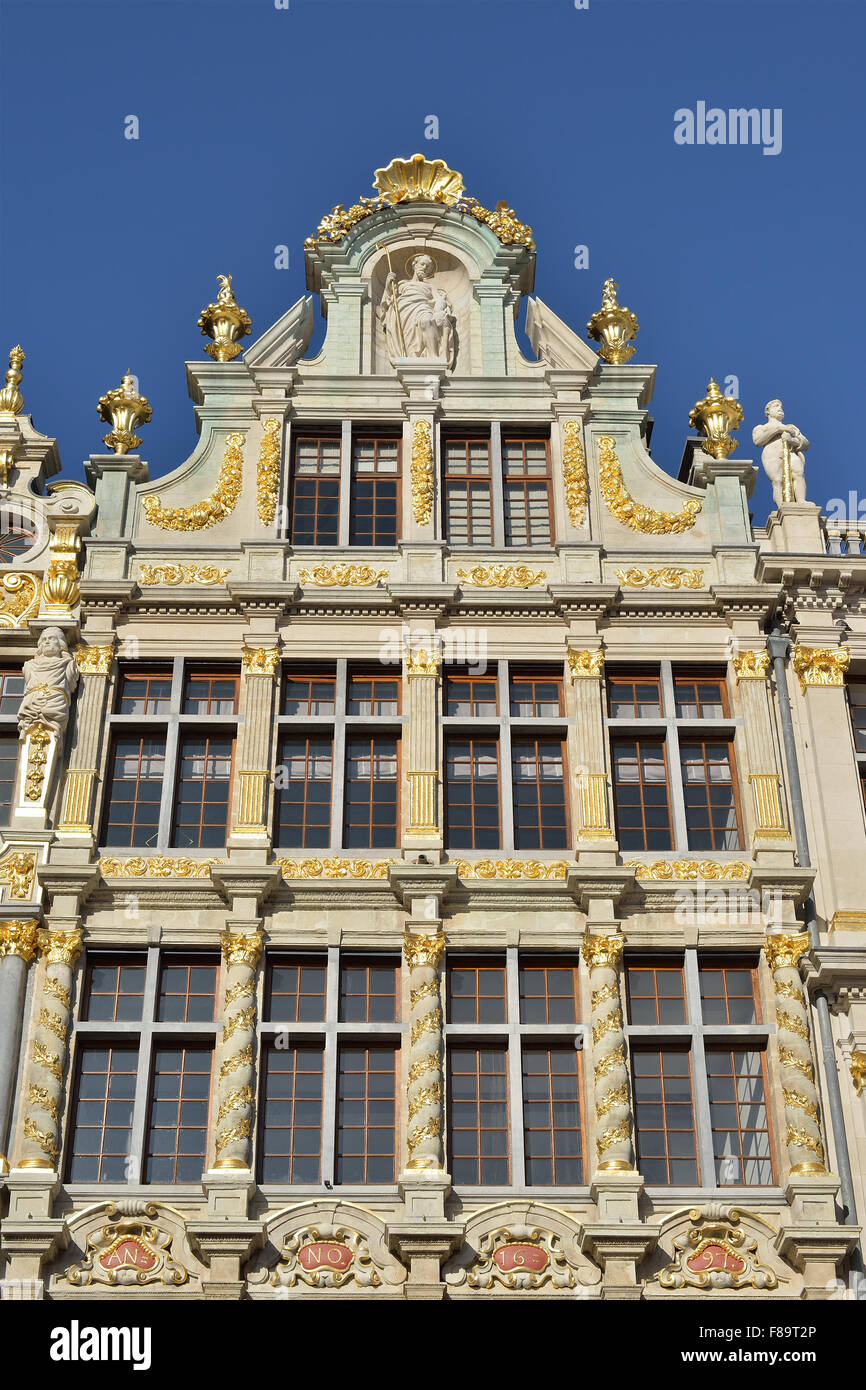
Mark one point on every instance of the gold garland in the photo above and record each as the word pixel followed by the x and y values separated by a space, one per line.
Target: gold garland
pixel 173 575
pixel 666 577
pixel 622 505
pixel 216 507
pixel 574 472
pixel 501 576
pixel 342 576
pixel 268 473
pixel 422 472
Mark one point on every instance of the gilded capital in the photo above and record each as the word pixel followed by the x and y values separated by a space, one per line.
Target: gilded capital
pixel 422 663
pixel 858 1071
pixel 19 939
pixel 260 661
pixel 242 948
pixel 751 665
pixel 600 951
pixel 424 949
pixel 61 947
pixel 784 951
pixel 94 661
pixel 586 665
pixel 821 665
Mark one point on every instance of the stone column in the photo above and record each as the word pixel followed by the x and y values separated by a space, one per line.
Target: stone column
pixel 751 670
pixel 422 677
pixel 587 678
pixel 75 826
pixel 802 1137
pixel 40 1147
pixel 235 1078
pixel 260 669
pixel 423 953
pixel 18 942
pixel 602 955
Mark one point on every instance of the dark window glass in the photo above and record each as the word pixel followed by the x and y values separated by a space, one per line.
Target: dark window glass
pixel 634 697
pixel 177 1125
pixel 101 1125
pixel 11 690
pixel 538 787
pixel 551 1116
pixel 526 469
pixel 470 696
pixel 296 989
pixel 375 491
pixel 211 694
pixel 291 1122
pixel 710 791
pixel 472 793
pixel 698 697
pixel 368 991
pixel 316 492
pixel 373 695
pixel 536 697
pixel 640 789
pixel 367 1115
pixel 14 541
pixel 187 989
pixel 738 1114
pixel 201 812
pixel 478 1115
pixel 476 991
pixel 114 989
pixel 309 694
pixel 144 692
pixel 548 992
pixel 468 507
pixel 8 771
pixel 655 994
pixel 302 786
pixel 857 702
pixel 728 993
pixel 135 777
pixel 664 1118
pixel 371 793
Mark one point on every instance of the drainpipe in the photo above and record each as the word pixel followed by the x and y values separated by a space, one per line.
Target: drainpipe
pixel 778 645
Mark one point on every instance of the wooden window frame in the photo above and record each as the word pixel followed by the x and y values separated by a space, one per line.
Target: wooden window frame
pixel 295 961
pixel 548 1047
pixel 638 739
pixel 524 480
pixel 656 967
pixel 207 734
pixel 517 738
pixel 472 739
pixel 725 1049
pixel 111 960
pixel 525 961
pixel 375 678
pixel 478 1047
pixel 367 963
pixel 368 1047
pixel 210 675
pixel 535 678
pixel 634 679
pixel 373 738
pixel 180 960
pixel 696 678
pixel 318 477
pixel 663 1050
pixel 119 732
pixel 486 683
pixel 689 740
pixel 310 676
pixel 732 963
pixel 307 1046
pixel 128 673
pixel 456 482
pixel 285 737
pixel 478 964
pixel 127 1046
pixel 375 477
pixel 185 1046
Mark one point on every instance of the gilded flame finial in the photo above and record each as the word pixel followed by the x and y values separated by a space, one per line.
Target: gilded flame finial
pixel 715 416
pixel 224 321
pixel 11 399
pixel 124 409
pixel 613 325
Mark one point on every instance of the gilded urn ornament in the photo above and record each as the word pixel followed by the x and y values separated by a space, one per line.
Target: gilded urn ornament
pixel 225 322
pixel 613 325
pixel 124 409
pixel 11 399
pixel 715 416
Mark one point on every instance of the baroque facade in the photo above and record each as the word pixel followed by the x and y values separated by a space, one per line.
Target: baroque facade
pixel 434 843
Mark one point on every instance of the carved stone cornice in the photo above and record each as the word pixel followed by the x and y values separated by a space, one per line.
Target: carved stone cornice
pixel 583 600
pixel 427 599
pixel 411 882
pixel 256 597
pixel 588 885
pixel 66 884
pixel 109 597
pixel 758 601
pixel 252 883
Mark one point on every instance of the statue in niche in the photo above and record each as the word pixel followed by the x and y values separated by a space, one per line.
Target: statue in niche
pixel 777 439
pixel 50 677
pixel 416 316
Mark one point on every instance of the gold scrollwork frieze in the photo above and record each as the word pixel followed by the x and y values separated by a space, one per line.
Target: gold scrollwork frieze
pixel 173 575
pixel 665 577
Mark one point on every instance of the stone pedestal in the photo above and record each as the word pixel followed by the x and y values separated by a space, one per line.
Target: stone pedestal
pixel 31 1236
pixel 619 1241
pixel 422 1238
pixel 796 527
pixel 811 1238
pixel 225 1246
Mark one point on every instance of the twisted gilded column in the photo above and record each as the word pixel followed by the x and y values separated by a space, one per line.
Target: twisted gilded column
pixel 603 955
pixel 18 943
pixel 423 953
pixel 802 1136
pixel 235 1095
pixel 43 1096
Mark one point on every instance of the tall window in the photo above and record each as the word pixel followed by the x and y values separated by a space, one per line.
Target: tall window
pixel 171 758
pixel 674 767
pixel 698 1056
pixel 142 1069
pixel 505 762
pixel 857 704
pixel 526 484
pixel 337 779
pixel 342 1044
pixel 315 518
pixel 467 492
pixel 514 1091
pixel 11 690
pixel 375 491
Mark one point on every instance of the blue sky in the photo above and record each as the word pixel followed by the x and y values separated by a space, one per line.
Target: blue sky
pixel 255 121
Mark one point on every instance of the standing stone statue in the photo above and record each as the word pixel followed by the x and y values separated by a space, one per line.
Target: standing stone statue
pixel 50 677
pixel 773 436
pixel 416 316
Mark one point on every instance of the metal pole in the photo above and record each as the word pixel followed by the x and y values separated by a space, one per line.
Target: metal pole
pixel 778 645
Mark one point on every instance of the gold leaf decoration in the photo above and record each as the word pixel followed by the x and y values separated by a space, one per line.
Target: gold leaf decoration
pixel 667 577
pixel 335 868
pixel 268 472
pixel 342 576
pixel 422 472
pixel 174 575
pixel 501 576
pixel 19 598
pixel 212 509
pixel 574 472
pixel 622 505
pixel 510 868
pixel 159 866
pixel 686 870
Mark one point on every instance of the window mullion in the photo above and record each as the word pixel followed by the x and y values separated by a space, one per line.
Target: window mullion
pixel 345 482
pixel 497 487
pixel 700 1086
pixel 338 762
pixel 517 1166
pixel 330 1079
pixel 505 780
pixel 138 1138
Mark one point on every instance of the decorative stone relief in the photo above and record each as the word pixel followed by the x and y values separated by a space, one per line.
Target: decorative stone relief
pixel 50 677
pixel 325 1245
pixel 133 1248
pixel 519 1247
pixel 716 1253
